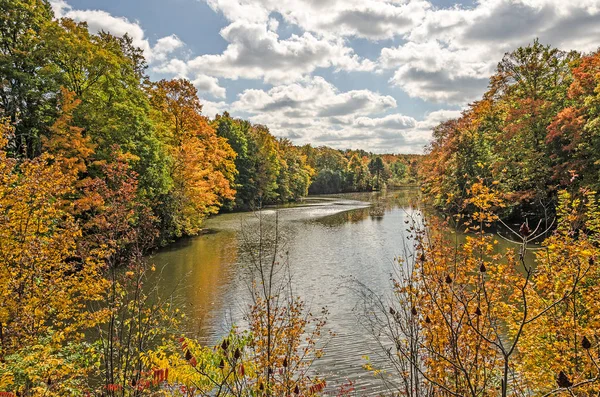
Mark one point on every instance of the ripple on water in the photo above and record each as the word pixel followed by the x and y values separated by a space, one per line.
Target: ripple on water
pixel 329 240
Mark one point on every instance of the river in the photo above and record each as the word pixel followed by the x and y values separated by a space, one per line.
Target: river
pixel 330 241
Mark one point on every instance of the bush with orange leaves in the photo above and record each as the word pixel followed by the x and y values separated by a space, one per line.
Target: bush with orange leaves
pixel 470 319
pixel 273 356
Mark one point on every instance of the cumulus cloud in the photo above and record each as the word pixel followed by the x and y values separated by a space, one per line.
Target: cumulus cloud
pixel 447 53
pixel 371 19
pixel 435 72
pixel 255 52
pixel 374 20
pixel 392 121
pixel 165 46
pixel 273 24
pixel 313 97
pixel 313 110
pixel 451 54
pixel 210 85
pixel 437 117
pixel 409 136
pixel 210 108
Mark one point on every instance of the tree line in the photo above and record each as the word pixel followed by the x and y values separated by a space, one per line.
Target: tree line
pixel 86 97
pixel 533 133
pixel 358 171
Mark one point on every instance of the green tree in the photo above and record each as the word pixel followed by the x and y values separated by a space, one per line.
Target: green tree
pixel 267 165
pixel 237 133
pixel 327 181
pixel 114 108
pixel 531 86
pixel 28 78
pixel 359 173
pixel 399 170
pixel 295 176
pixel 376 167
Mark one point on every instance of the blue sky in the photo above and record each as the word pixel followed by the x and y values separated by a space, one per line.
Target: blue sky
pixel 371 74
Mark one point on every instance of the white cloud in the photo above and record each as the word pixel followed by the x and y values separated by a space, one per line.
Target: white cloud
pixel 235 10
pixel 372 19
pixel 165 46
pixel 412 139
pixel 439 116
pixel 377 19
pixel 392 121
pixel 315 98
pixel 254 52
pixel 273 24
pixel 60 7
pixel 435 72
pixel 451 54
pixel 209 84
pixel 210 108
pixel 446 55
pixel 312 110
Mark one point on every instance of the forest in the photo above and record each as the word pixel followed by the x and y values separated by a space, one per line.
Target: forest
pixel 531 135
pixel 105 110
pixel 100 165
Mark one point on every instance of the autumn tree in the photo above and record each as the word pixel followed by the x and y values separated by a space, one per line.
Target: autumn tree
pixel 561 347
pixel 359 173
pixel 113 109
pixel 295 175
pixel 202 166
pixel 503 137
pixel 267 164
pixel 572 136
pixel 286 337
pixel 471 319
pixel 29 81
pixel 46 285
pixel 237 134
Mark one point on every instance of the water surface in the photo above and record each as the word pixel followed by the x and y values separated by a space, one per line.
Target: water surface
pixel 330 240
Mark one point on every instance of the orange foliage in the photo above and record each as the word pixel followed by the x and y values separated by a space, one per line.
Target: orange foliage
pixel 202 168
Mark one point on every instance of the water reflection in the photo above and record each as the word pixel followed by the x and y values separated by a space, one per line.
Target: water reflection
pixel 341 218
pixel 197 273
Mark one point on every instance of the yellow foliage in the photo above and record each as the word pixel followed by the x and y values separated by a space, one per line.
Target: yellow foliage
pixel 477 321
